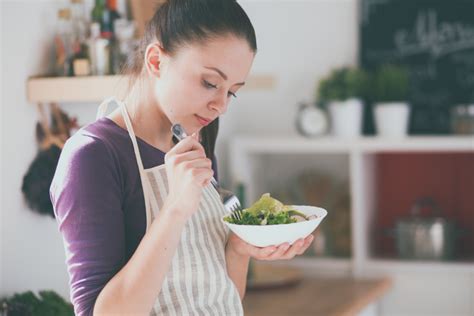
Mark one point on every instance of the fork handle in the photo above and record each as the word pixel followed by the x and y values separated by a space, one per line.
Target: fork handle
pixel 180 134
pixel 178 131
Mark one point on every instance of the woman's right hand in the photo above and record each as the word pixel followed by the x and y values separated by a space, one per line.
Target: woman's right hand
pixel 189 171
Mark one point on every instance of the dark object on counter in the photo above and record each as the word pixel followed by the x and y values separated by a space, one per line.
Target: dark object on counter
pixel 38 178
pixel 426 238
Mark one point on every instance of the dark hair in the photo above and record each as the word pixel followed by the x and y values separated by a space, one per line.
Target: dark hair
pixel 179 22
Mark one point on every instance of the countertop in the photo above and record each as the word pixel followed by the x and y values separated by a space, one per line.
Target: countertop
pixel 328 296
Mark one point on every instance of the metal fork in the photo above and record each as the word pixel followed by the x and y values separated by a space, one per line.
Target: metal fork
pixel 230 201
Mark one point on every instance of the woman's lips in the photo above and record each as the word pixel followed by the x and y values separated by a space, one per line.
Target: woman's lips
pixel 203 121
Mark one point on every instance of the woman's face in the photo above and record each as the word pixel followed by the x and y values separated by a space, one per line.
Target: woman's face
pixel 196 84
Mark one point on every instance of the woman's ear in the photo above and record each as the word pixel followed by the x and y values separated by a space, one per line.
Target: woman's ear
pixel 154 54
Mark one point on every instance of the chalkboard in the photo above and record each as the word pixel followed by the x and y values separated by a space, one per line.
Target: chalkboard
pixel 435 40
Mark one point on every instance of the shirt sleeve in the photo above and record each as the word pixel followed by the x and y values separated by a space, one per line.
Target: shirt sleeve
pixel 86 194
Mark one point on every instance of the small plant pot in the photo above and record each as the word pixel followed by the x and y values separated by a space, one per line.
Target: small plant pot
pixel 346 118
pixel 391 119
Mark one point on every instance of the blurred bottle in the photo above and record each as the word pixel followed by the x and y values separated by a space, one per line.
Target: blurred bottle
pixel 101 43
pixel 106 28
pixel 98 11
pixel 80 59
pixel 114 15
pixel 124 34
pixel 81 65
pixel 79 20
pixel 110 16
pixel 99 52
pixel 63 42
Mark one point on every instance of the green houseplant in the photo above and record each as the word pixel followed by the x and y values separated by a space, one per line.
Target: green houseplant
pixel 29 304
pixel 343 84
pixel 390 94
pixel 342 92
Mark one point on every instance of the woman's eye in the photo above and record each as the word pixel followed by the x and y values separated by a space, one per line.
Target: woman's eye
pixel 209 85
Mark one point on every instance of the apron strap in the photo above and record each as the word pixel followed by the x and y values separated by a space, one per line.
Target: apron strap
pixel 147 191
pixel 103 108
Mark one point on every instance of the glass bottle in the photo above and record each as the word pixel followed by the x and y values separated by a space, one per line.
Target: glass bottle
pixel 97 11
pixel 110 16
pixel 99 52
pixel 114 15
pixel 79 20
pixel 124 36
pixel 63 42
pixel 80 59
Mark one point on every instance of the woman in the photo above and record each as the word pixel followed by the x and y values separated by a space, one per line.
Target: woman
pixel 140 222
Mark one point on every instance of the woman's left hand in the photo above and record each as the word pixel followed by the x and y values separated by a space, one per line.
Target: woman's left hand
pixel 284 251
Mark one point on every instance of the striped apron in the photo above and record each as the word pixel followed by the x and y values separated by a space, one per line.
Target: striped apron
pixel 197 282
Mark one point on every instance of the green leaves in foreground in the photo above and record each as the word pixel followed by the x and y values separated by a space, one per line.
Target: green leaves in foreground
pixel 28 304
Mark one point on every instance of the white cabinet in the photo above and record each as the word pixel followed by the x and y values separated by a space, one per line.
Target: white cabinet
pixel 261 163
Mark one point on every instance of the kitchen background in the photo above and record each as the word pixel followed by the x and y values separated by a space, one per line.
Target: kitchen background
pixel 368 185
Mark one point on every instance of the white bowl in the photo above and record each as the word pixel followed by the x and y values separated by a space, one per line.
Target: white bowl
pixel 273 235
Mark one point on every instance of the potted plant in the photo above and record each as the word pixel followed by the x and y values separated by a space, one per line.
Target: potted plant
pixel 29 303
pixel 342 92
pixel 390 93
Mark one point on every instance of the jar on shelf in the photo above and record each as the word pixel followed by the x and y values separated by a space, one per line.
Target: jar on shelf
pixel 462 119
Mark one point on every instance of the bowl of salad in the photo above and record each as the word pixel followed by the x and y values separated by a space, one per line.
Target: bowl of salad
pixel 268 222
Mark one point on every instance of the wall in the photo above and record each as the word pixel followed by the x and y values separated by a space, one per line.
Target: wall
pixel 1 156
pixel 298 42
pixel 31 250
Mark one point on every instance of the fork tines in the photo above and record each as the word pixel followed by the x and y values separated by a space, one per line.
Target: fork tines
pixel 236 214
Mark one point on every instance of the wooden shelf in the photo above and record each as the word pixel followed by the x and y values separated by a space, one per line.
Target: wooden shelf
pixel 315 266
pixel 384 266
pixel 97 88
pixel 369 144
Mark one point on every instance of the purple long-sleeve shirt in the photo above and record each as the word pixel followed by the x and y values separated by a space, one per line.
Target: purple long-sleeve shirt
pixel 98 201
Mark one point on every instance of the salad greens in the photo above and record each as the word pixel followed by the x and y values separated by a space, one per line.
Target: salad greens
pixel 266 211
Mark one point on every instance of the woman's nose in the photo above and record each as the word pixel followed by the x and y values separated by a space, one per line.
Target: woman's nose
pixel 220 104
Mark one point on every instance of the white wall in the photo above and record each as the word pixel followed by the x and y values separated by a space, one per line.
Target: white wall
pixel 1 156
pixel 298 42
pixel 31 250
